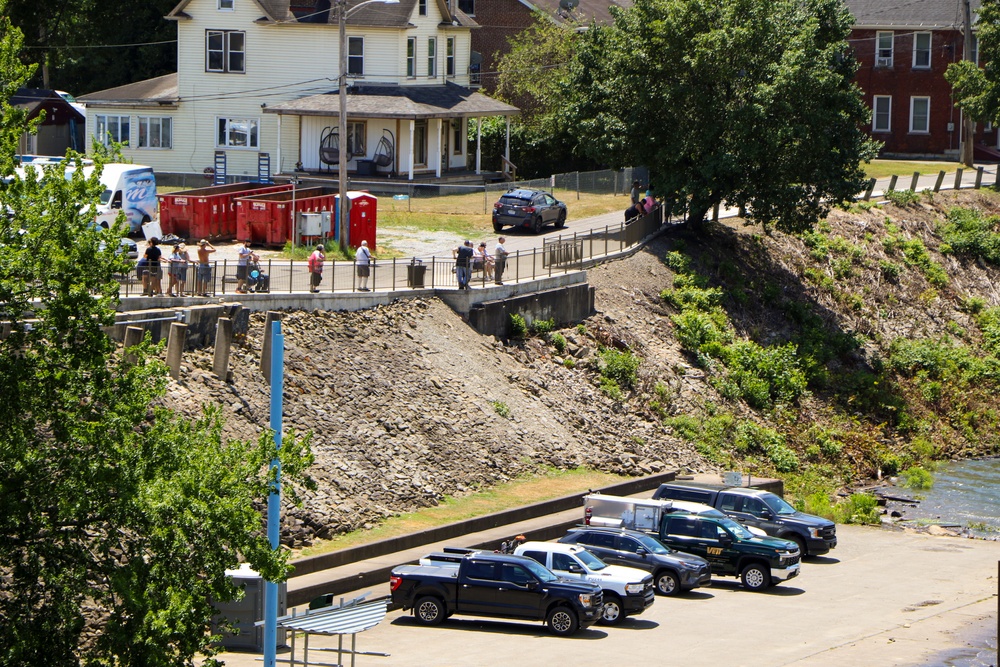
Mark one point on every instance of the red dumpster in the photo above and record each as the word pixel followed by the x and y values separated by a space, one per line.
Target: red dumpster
pixel 267 219
pixel 207 213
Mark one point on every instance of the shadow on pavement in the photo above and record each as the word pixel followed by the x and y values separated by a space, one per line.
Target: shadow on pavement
pixel 526 629
pixel 821 560
pixel 780 590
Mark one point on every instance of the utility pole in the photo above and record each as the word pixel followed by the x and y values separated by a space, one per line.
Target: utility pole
pixel 968 125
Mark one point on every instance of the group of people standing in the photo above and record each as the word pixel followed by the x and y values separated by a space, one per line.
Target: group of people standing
pixel 363 260
pixel 469 259
pixel 641 204
pixel 150 269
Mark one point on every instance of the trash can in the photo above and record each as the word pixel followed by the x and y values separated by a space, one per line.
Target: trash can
pixel 415 271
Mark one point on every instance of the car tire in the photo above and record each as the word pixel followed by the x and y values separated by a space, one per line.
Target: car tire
pixel 667 583
pixel 561 222
pixel 613 612
pixel 802 545
pixel 755 577
pixel 497 227
pixel 562 621
pixel 429 610
pixel 536 225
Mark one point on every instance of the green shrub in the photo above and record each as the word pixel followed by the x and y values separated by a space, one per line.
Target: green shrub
pixel 677 261
pixel 543 326
pixel 902 198
pixel 969 233
pixel 501 408
pixel 972 304
pixel 751 438
pixel 518 327
pixel 765 375
pixel 558 341
pixel 917 478
pixel 620 367
pixel 916 254
pixel 695 329
pixel 890 270
pixel 581 329
pixel 989 323
pixel 569 362
pixel 611 389
pixel 858 508
pixel 696 298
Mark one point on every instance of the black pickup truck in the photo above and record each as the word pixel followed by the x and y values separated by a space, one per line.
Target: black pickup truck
pixel 760 509
pixel 494 585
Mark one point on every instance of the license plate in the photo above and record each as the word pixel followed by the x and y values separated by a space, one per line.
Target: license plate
pixel 513 213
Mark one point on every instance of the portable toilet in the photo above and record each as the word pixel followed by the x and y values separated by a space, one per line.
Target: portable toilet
pixel 363 218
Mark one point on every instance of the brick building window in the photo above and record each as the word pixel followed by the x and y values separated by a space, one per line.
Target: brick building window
pixel 920 115
pixel 921 50
pixel 883 49
pixel 467 7
pixel 882 113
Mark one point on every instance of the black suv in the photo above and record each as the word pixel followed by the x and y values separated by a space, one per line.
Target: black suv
pixel 531 209
pixel 673 572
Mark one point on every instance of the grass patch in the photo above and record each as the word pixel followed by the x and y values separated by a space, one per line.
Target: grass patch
pixel 886 168
pixel 533 488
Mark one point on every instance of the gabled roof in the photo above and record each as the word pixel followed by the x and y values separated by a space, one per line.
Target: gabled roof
pixel 34 100
pixel 927 14
pixel 161 90
pixel 585 12
pixel 404 102
pixel 379 15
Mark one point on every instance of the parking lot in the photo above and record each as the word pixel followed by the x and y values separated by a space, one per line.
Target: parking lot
pixel 881 598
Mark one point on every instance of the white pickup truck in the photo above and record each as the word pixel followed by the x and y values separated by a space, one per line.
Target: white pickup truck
pixel 643 514
pixel 627 591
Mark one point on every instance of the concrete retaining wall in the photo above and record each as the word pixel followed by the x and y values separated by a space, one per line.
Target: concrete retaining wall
pixel 566 305
pixel 201 320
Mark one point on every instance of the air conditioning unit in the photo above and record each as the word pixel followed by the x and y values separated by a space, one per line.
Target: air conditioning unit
pixel 883 62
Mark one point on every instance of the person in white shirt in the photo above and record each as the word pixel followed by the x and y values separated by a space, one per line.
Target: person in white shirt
pixel 500 256
pixel 363 258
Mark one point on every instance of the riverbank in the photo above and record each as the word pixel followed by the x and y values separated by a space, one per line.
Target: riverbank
pixel 883 598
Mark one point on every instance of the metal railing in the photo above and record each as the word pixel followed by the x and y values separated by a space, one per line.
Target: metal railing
pixel 561 254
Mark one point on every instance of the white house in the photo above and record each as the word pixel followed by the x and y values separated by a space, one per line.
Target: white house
pixel 260 77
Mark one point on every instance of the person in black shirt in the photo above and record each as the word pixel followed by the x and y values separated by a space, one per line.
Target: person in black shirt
pixel 463 257
pixel 153 270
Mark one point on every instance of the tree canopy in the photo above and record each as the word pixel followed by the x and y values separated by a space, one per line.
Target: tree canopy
pixel 119 518
pixel 977 89
pixel 748 102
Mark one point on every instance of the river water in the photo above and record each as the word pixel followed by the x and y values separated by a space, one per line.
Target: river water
pixel 966 493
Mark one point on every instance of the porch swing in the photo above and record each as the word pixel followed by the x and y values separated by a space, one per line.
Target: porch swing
pixel 329 147
pixel 385 151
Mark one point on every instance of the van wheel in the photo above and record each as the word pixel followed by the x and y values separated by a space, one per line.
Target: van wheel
pixel 562 621
pixel 756 577
pixel 667 583
pixel 429 611
pixel 613 612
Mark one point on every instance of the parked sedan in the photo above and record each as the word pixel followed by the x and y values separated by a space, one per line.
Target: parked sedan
pixel 531 209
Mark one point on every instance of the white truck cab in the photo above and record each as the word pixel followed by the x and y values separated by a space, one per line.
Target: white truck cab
pixel 627 591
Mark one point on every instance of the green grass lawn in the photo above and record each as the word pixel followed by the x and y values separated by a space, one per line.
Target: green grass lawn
pixel 886 168
pixel 546 485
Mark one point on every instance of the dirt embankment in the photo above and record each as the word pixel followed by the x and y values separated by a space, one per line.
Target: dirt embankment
pixel 408 404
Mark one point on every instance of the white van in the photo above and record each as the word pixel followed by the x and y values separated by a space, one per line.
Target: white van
pixel 128 187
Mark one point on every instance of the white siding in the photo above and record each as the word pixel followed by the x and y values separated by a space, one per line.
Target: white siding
pixel 283 62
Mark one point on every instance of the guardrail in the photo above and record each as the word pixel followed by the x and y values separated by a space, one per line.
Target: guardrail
pixel 562 254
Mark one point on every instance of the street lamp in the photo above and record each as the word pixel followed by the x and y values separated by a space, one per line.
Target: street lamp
pixel 342 13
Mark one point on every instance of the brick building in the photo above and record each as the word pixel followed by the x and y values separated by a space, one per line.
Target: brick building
pixel 499 20
pixel 903 49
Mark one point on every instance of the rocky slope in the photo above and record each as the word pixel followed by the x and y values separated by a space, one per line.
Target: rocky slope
pixel 407 404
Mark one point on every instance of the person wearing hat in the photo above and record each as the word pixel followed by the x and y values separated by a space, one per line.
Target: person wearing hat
pixel 487 260
pixel 316 260
pixel 177 273
pixel 204 274
pixel 364 258
pixel 463 259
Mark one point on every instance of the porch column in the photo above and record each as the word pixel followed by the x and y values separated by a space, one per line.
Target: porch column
pixel 479 143
pixel 506 149
pixel 278 151
pixel 437 149
pixel 413 128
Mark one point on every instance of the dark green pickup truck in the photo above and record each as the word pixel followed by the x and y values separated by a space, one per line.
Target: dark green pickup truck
pixel 732 550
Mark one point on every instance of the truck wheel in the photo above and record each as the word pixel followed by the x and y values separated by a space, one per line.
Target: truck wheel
pixel 667 583
pixel 429 611
pixel 802 544
pixel 613 612
pixel 562 621
pixel 756 577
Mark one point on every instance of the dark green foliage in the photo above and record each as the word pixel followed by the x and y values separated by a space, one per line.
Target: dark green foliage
pixel 971 234
pixel 762 111
pixel 902 198
pixel 518 326
pixel 622 367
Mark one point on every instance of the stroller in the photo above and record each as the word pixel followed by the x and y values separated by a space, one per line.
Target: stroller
pixel 257 280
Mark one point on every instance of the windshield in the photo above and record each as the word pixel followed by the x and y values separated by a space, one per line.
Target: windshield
pixel 778 505
pixel 540 571
pixel 652 546
pixel 591 561
pixel 105 196
pixel 736 529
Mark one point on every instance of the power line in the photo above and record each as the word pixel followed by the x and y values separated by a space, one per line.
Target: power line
pixel 97 46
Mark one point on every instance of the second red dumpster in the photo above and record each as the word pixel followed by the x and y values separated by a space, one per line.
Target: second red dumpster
pixel 267 219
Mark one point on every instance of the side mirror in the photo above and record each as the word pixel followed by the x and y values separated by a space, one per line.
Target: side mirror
pixel 531 585
pixel 766 515
pixel 725 540
pixel 575 569
pixel 641 551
